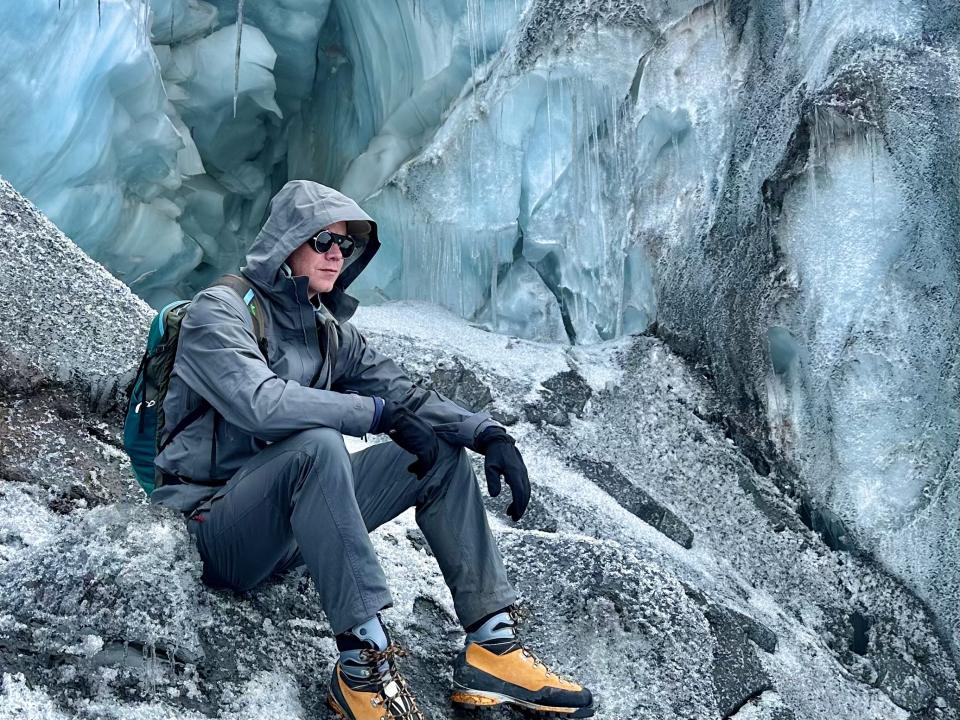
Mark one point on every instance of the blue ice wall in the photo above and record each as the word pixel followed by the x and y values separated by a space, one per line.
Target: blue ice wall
pixel 771 186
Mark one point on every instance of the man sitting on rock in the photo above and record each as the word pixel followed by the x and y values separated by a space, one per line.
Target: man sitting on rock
pixel 267 483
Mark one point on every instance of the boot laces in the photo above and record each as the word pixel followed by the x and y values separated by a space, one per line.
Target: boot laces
pixel 400 705
pixel 518 615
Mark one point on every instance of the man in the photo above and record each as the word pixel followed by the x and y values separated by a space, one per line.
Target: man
pixel 267 483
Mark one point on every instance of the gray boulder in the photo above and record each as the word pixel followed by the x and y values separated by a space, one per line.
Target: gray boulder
pixel 103 614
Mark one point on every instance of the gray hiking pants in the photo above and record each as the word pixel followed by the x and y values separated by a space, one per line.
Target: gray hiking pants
pixel 306 501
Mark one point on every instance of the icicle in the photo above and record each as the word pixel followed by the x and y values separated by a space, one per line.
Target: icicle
pixel 812 155
pixel 478 51
pixel 481 22
pixel 615 140
pixel 236 67
pixel 570 240
pixel 144 22
pixel 99 16
pixel 474 53
pixel 494 288
pixel 553 158
pixel 871 149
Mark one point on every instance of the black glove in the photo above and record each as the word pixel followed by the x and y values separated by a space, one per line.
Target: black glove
pixel 501 457
pixel 411 433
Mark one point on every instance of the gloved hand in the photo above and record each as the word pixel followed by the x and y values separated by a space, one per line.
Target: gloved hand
pixel 501 457
pixel 410 432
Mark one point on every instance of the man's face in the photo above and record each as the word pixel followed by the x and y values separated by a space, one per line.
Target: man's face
pixel 321 268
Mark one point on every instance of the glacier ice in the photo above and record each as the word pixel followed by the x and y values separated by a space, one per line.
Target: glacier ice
pixel 755 606
pixel 770 185
pixel 520 173
pixel 138 159
pixel 85 132
pixel 525 306
pixel 819 290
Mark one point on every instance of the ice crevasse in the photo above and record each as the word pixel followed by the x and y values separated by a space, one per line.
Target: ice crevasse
pixel 770 186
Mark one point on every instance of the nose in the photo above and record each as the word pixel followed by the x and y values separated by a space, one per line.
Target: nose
pixel 334 253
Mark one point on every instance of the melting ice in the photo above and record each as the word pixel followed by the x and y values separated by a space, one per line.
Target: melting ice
pixel 774 189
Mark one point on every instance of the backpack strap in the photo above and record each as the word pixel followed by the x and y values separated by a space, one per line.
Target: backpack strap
pixel 184 422
pixel 244 288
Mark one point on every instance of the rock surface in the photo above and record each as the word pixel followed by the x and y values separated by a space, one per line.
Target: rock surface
pixel 67 323
pixel 745 613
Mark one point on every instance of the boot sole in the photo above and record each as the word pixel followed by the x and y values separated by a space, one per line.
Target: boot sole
pixel 485 700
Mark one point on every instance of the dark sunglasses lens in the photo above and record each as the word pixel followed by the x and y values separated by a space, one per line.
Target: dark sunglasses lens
pixel 324 240
pixel 321 242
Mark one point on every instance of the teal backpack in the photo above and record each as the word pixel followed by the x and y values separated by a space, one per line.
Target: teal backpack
pixel 143 427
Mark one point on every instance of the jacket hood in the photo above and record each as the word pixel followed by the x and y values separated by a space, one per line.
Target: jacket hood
pixel 299 210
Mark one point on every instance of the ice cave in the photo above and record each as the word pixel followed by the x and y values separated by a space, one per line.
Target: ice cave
pixel 761 195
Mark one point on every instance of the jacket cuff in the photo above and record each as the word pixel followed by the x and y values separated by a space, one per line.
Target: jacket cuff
pixel 377 412
pixel 490 435
pixel 486 423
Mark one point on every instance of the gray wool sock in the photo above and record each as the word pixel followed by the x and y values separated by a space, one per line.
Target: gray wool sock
pixel 497 632
pixel 373 636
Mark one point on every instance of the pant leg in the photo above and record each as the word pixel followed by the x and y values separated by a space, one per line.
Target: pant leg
pixel 295 496
pixel 451 515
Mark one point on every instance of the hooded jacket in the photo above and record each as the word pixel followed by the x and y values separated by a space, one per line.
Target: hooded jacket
pixel 318 370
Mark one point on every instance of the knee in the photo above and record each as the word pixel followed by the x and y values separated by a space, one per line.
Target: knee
pixel 452 474
pixel 453 463
pixel 321 457
pixel 321 443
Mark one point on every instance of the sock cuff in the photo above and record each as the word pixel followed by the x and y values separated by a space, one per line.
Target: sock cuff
pixel 498 628
pixel 368 634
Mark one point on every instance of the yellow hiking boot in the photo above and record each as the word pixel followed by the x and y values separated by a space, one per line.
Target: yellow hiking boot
pixel 496 669
pixel 370 688
pixel 366 684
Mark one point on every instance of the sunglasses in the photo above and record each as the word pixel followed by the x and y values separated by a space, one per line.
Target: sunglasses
pixel 324 240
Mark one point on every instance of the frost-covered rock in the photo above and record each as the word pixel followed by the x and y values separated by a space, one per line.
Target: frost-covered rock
pixel 768 182
pixel 659 566
pixel 58 445
pixel 117 582
pixel 623 627
pixel 65 321
pixel 650 465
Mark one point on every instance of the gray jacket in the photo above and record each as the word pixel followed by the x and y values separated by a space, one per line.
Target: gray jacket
pixel 318 371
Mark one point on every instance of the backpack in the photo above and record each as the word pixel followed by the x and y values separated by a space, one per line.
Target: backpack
pixel 143 427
